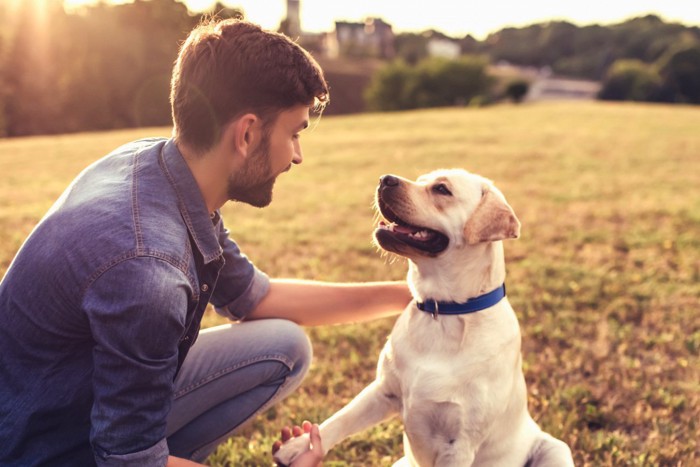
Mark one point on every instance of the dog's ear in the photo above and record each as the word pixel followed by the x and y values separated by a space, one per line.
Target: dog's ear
pixel 492 220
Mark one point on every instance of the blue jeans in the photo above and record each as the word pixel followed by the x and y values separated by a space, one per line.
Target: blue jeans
pixel 232 373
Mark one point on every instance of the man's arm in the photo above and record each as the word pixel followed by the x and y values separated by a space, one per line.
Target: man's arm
pixel 136 315
pixel 312 303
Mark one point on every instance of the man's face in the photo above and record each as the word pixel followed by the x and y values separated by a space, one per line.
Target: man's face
pixel 279 148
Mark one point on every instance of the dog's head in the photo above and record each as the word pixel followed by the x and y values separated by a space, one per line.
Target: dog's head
pixel 442 210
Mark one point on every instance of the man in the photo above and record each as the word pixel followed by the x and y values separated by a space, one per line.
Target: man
pixel 101 306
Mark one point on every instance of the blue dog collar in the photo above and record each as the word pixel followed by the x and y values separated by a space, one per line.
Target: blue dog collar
pixel 470 306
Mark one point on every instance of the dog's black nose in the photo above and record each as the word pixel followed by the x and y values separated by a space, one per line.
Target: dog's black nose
pixel 388 180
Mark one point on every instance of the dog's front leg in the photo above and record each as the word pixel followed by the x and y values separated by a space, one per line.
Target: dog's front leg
pixel 373 405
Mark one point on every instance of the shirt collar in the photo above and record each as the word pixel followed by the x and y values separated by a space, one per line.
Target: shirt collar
pixel 191 202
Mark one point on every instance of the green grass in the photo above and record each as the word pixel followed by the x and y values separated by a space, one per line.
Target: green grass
pixel 605 279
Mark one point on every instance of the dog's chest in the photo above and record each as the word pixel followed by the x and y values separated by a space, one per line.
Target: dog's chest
pixel 450 357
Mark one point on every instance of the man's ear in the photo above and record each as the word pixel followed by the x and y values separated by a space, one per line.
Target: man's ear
pixel 243 133
pixel 492 220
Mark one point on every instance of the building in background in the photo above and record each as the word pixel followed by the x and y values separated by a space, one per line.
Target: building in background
pixel 291 24
pixel 374 38
pixel 443 47
pixel 293 19
pixel 543 85
pixel 554 88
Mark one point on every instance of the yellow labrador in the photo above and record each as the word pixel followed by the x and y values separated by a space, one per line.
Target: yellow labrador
pixel 452 365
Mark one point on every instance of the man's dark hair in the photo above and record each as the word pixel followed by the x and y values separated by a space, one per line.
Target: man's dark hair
pixel 231 67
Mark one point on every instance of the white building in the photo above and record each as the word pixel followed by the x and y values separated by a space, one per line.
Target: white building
pixel 551 88
pixel 445 48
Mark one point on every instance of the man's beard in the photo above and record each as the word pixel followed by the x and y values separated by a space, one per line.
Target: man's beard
pixel 253 183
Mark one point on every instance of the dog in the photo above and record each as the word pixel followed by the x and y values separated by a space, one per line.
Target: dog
pixel 452 366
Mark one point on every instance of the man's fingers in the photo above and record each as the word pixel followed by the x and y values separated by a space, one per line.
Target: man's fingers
pixel 315 436
pixel 286 433
pixel 276 446
pixel 314 455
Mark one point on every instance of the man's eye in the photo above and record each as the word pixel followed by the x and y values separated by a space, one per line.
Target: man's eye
pixel 442 189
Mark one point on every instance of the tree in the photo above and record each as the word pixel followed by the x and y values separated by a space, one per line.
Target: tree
pixel 516 90
pixel 587 51
pixel 385 91
pixel 106 67
pixel 434 82
pixel 631 80
pixel 32 105
pixel 681 74
pixel 411 47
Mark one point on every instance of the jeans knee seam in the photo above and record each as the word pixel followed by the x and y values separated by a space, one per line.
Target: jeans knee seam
pixel 276 357
pixel 262 408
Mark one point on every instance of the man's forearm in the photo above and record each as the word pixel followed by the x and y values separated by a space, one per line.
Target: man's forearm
pixel 312 303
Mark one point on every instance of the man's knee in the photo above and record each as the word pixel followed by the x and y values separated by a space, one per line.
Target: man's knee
pixel 294 344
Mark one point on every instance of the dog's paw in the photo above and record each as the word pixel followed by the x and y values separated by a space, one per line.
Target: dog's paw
pixel 292 449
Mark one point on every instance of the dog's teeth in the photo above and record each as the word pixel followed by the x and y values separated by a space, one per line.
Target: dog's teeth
pixel 421 234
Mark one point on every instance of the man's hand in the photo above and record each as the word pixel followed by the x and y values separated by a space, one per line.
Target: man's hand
pixel 310 458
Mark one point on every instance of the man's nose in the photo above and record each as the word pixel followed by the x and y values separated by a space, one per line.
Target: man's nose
pixel 389 180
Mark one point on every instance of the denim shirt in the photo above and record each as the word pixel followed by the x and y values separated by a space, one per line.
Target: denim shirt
pixel 101 304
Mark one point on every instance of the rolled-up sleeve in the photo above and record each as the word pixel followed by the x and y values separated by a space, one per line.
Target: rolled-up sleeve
pixel 156 455
pixel 241 286
pixel 137 312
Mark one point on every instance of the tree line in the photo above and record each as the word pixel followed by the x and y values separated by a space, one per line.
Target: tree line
pixel 105 67
pixel 642 59
pixel 108 66
pixel 569 50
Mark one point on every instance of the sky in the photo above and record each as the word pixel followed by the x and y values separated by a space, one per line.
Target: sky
pixel 453 17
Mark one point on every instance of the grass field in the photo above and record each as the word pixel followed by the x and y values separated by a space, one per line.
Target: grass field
pixel 605 279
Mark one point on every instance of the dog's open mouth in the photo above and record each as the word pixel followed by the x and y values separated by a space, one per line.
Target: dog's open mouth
pixel 421 238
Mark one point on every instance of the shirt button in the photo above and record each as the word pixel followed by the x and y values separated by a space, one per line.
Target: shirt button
pixel 205 287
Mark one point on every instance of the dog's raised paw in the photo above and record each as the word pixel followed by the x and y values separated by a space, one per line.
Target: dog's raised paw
pixel 292 449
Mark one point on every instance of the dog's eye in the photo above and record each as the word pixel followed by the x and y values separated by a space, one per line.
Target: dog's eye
pixel 442 189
